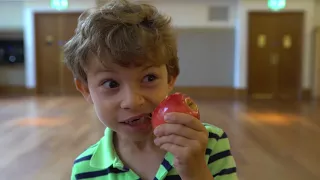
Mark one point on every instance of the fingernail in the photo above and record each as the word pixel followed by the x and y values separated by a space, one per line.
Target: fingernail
pixel 155 141
pixel 167 117
pixel 155 131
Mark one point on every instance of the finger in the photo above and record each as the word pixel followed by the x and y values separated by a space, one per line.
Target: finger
pixel 185 119
pixel 176 129
pixel 174 149
pixel 173 139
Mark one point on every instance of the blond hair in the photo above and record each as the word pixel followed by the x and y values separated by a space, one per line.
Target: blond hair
pixel 125 33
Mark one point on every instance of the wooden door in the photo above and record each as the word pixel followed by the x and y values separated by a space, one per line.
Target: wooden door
pixel 47 54
pixel 262 72
pixel 316 68
pixel 289 48
pixel 274 55
pixel 52 30
pixel 68 26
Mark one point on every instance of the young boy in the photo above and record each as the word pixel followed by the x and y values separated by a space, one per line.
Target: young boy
pixel 124 59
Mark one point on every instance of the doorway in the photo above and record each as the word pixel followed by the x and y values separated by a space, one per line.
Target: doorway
pixel 52 31
pixel 275 55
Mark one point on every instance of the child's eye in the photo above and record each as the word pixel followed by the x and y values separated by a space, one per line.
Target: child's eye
pixel 111 84
pixel 149 78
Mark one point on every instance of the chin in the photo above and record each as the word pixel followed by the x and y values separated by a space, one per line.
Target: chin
pixel 139 132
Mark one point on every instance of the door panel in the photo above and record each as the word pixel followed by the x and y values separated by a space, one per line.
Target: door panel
pixel 275 70
pixel 69 24
pixel 316 69
pixel 290 45
pixel 47 53
pixel 52 31
pixel 262 69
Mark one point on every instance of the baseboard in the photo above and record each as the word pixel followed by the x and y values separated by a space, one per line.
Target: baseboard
pixel 15 90
pixel 306 94
pixel 212 92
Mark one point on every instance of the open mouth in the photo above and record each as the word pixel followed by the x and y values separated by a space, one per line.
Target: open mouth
pixel 140 120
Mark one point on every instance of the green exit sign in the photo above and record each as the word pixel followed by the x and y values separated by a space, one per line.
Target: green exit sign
pixel 277 5
pixel 59 4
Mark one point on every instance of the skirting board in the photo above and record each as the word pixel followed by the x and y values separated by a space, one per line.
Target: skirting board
pixel 15 91
pixel 224 92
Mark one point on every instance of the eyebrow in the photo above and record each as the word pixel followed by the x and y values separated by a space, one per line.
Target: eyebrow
pixel 147 67
pixel 107 69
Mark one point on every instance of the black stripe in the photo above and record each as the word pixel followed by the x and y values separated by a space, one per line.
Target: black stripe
pixel 226 172
pixel 85 158
pixel 208 151
pixel 173 177
pixel 166 165
pixel 224 135
pixel 212 135
pixel 155 178
pixel 94 174
pixel 219 155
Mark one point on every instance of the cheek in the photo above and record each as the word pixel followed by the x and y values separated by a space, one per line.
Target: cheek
pixel 105 108
pixel 159 94
pixel 105 112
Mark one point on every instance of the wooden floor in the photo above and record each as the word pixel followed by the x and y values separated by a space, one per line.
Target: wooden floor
pixel 40 137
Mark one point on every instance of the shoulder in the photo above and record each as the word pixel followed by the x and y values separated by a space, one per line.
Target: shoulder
pixel 215 133
pixel 218 154
pixel 86 154
pixel 218 139
pixel 82 162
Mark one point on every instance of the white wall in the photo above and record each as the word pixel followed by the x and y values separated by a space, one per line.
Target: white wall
pixel 194 14
pixel 191 15
pixel 241 38
pixel 317 13
pixel 11 15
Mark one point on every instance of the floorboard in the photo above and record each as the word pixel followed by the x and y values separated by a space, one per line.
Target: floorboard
pixel 41 136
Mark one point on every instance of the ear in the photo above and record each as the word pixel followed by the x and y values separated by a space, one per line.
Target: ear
pixel 83 89
pixel 171 82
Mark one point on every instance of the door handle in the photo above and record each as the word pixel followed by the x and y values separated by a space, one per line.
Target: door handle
pixel 274 58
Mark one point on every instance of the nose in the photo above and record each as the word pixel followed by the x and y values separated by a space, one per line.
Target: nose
pixel 132 99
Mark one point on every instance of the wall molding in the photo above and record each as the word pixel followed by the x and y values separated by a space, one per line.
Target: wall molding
pixel 229 93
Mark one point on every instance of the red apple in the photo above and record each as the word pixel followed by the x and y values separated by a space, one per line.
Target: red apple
pixel 176 102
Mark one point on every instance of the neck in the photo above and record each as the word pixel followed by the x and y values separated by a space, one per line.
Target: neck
pixel 132 145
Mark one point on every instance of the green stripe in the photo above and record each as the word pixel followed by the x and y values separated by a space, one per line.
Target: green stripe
pixel 225 163
pixel 221 145
pixel 88 151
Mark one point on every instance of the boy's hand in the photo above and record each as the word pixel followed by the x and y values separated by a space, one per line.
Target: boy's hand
pixel 186 138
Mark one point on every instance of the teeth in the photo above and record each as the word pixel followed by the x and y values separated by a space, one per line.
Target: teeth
pixel 137 121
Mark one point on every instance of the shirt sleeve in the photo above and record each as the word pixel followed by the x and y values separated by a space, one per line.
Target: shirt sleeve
pixel 73 177
pixel 221 162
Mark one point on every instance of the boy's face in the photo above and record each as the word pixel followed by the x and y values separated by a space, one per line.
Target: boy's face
pixel 120 95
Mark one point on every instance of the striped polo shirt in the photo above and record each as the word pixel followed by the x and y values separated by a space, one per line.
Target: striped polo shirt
pixel 100 161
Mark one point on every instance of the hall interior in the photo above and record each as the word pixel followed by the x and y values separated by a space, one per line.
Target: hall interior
pixel 251 70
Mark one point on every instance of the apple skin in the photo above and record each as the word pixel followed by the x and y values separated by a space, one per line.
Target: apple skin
pixel 176 102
